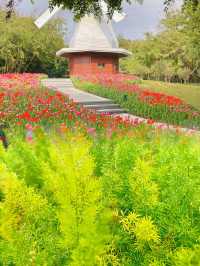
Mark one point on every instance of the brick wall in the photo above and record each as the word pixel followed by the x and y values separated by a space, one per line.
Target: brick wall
pixel 93 63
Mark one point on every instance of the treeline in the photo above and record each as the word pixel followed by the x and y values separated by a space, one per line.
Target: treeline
pixel 24 48
pixel 173 54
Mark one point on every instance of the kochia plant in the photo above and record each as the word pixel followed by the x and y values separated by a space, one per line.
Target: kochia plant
pixel 122 200
pixel 68 176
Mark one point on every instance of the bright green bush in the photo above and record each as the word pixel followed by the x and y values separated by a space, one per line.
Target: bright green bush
pixel 125 200
pixel 28 226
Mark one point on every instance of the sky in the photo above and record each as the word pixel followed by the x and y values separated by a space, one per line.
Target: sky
pixel 139 18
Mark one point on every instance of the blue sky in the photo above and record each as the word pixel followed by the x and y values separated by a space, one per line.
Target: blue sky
pixel 139 19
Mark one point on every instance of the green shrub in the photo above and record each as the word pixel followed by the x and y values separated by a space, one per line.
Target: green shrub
pixel 28 224
pixel 125 200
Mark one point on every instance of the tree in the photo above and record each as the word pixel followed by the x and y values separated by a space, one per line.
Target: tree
pixel 80 8
pixel 192 26
pixel 184 74
pixel 194 3
pixel 25 49
pixel 172 54
pixel 169 71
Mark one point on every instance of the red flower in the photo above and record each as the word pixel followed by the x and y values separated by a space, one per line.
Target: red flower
pixel 150 121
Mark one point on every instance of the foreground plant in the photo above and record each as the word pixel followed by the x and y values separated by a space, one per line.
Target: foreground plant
pixel 122 200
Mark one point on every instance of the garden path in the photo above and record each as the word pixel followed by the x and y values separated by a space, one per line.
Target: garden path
pixel 100 104
pixel 90 101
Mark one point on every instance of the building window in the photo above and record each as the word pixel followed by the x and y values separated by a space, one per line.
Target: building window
pixel 101 65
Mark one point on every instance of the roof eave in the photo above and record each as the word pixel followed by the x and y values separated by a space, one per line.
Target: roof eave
pixel 67 51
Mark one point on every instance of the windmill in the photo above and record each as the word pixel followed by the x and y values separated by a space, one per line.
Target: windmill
pixel 94 47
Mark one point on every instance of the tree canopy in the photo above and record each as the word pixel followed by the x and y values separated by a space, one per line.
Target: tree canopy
pixel 171 55
pixel 25 49
pixel 80 8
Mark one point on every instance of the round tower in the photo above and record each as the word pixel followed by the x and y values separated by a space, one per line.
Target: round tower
pixel 93 48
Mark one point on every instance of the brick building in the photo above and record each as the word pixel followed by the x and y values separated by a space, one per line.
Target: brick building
pixel 93 48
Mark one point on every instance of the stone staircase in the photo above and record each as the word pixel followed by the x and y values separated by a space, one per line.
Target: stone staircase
pixel 105 108
pixel 88 100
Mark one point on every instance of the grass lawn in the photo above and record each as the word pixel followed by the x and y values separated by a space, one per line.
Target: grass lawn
pixel 190 93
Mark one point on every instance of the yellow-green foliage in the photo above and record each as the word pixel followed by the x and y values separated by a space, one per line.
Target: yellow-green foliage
pixel 25 164
pixel 145 191
pixel 68 175
pixel 140 228
pixel 108 202
pixel 27 223
pixel 187 256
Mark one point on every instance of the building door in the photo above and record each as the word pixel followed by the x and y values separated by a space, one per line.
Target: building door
pixel 80 64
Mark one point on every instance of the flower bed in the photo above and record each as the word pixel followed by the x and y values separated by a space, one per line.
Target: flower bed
pixel 125 91
pixel 23 101
pixel 15 80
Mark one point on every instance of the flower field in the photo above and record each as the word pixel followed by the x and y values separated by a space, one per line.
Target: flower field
pixel 126 91
pixel 91 190
pixel 23 101
pixel 19 81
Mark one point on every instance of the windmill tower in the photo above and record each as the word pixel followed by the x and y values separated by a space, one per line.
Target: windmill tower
pixel 93 48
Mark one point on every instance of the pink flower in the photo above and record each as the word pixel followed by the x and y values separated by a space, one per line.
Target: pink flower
pixel 29 133
pixel 29 127
pixel 91 131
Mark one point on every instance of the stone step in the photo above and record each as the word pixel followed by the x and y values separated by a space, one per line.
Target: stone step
pixel 88 100
pixel 56 80
pixel 102 102
pixel 50 81
pixel 111 111
pixel 57 84
pixel 102 106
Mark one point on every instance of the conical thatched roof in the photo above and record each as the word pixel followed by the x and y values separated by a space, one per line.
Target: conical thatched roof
pixel 92 35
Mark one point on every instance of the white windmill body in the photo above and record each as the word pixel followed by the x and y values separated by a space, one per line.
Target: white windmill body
pixel 94 47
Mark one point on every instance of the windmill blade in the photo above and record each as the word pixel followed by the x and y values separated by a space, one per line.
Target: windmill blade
pixel 46 16
pixel 112 33
pixel 117 16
